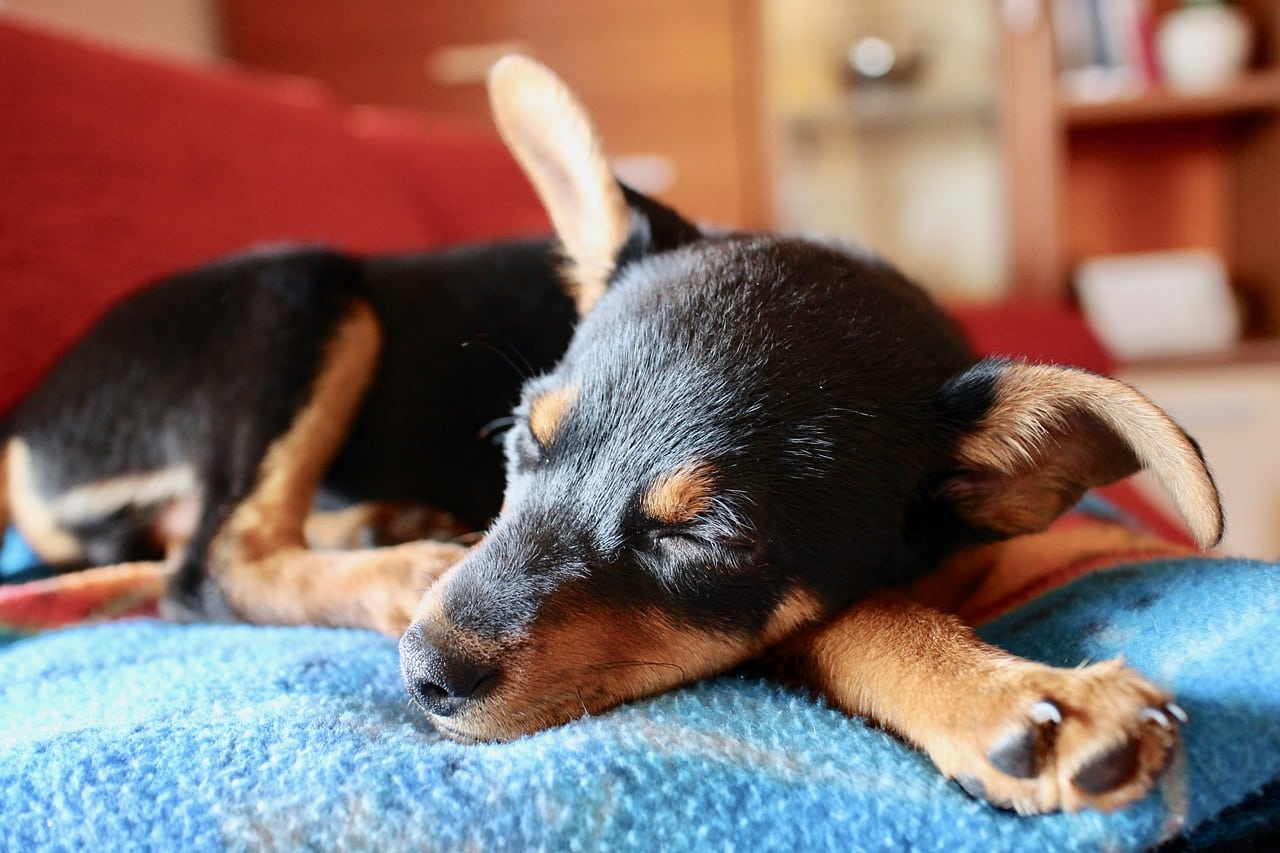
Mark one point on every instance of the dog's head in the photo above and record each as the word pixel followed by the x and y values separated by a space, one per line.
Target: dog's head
pixel 746 433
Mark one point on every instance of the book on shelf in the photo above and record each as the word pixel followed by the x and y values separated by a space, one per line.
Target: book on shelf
pixel 1105 49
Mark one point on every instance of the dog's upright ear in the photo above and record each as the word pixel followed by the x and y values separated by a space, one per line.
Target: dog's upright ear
pixel 1036 437
pixel 600 223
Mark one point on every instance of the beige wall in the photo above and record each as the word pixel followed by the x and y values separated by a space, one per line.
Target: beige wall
pixel 185 29
pixel 1234 412
pixel 915 176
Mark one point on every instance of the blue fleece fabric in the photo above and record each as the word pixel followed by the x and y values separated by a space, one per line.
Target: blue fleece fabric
pixel 16 556
pixel 146 735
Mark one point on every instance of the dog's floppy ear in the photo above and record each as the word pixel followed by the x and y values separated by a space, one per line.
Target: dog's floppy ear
pixel 1039 436
pixel 600 223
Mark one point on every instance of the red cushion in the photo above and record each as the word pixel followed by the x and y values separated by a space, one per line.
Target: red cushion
pixel 462 179
pixel 1033 331
pixel 117 169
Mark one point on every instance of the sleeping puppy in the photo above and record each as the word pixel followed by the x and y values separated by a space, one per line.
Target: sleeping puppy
pixel 749 439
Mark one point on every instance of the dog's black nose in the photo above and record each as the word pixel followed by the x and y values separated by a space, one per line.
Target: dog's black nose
pixel 442 682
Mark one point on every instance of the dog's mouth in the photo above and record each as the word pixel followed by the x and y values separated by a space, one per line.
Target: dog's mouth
pixel 551 701
pixel 564 669
pixel 453 731
pixel 532 696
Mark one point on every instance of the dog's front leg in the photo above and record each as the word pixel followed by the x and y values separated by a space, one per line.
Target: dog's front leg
pixel 1020 734
pixel 376 588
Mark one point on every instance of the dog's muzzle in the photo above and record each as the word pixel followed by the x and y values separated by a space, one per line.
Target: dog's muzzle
pixel 442 682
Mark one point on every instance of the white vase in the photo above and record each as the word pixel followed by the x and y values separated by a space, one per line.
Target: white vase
pixel 1203 47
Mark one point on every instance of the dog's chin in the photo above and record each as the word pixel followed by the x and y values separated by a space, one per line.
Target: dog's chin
pixel 459 734
pixel 481 728
pixel 499 719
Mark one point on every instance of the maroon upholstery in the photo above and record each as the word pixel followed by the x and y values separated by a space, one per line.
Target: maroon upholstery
pixel 116 169
pixel 462 184
pixel 1033 331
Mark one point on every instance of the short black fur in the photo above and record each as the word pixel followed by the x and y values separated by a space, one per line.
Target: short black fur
pixel 207 368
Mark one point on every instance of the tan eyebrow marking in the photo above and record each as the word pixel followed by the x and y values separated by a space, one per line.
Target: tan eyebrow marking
pixel 681 494
pixel 548 411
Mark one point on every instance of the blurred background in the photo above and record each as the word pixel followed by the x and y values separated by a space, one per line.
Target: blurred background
pixel 1116 157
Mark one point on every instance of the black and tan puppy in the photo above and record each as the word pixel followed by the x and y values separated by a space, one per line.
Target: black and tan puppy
pixel 197 420
pixel 747 440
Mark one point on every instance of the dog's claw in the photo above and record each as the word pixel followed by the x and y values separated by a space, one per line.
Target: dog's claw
pixel 1109 770
pixel 1045 711
pixel 1155 715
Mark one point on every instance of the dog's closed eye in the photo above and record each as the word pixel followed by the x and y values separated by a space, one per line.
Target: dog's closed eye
pixel 674 541
pixel 684 521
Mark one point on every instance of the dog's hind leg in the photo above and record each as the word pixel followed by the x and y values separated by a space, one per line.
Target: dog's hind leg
pixel 256 563
pixel 378 524
pixel 1020 734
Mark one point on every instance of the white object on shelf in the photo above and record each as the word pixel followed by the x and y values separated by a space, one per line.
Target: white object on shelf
pixel 1159 303
pixel 1204 46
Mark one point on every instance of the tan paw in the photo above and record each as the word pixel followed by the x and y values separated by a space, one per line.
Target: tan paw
pixel 1041 739
pixel 401 576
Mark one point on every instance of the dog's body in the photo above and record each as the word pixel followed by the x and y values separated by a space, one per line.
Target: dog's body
pixel 747 437
pixel 154 428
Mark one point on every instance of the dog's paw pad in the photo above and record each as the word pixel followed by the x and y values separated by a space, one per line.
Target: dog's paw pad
pixel 1019 754
pixel 1108 771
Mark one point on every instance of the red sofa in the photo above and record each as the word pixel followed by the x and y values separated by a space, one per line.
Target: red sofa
pixel 116 169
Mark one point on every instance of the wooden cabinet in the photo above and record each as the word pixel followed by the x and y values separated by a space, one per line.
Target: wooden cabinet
pixel 673 84
pixel 1158 171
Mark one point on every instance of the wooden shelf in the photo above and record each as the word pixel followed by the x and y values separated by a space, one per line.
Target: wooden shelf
pixel 1161 171
pixel 1254 93
pixel 1247 351
pixel 894 109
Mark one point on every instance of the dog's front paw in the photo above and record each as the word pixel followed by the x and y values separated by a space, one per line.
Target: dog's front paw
pixel 1046 739
pixel 396 578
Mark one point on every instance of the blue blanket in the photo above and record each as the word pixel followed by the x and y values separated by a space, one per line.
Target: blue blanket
pixel 147 735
